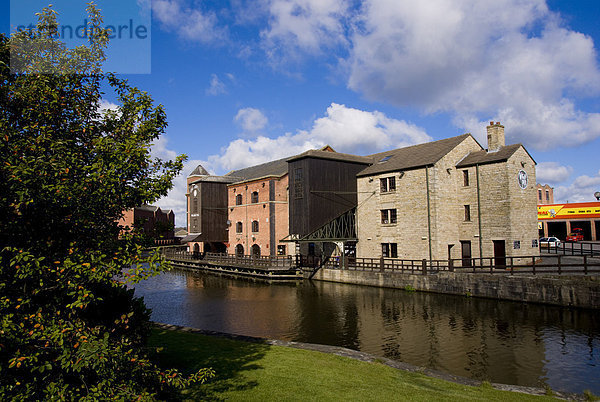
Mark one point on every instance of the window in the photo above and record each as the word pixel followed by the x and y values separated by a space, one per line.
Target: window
pixel 281 249
pixel 389 250
pixel 298 184
pixel 467 213
pixel 388 216
pixel 465 178
pixel 254 197
pixel 255 226
pixel 238 199
pixel 547 195
pixel 195 205
pixel 387 184
pixel 239 227
pixel 540 194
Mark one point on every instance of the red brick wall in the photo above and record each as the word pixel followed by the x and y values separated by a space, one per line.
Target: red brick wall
pixel 249 212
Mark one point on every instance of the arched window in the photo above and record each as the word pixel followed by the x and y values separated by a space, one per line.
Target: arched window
pixel 255 226
pixel 239 250
pixel 254 197
pixel 255 250
pixel 238 199
pixel 239 227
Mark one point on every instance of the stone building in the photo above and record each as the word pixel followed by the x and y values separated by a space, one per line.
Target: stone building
pixel 258 210
pixel 449 199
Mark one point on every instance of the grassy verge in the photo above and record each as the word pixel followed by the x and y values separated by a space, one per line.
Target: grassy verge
pixel 259 372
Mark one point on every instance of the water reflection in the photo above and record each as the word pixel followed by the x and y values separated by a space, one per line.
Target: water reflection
pixel 504 342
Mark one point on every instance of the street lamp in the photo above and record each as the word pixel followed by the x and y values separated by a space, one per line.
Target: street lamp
pixel 597 195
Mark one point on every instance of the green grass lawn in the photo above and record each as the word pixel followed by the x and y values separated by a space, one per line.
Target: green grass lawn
pixel 259 372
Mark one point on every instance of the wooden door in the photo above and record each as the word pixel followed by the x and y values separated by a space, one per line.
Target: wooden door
pixel 466 253
pixel 499 254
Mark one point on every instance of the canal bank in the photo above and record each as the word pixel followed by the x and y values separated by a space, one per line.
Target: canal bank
pixel 569 291
pixel 166 332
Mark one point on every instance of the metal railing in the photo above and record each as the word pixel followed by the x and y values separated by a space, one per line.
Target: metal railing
pixel 576 248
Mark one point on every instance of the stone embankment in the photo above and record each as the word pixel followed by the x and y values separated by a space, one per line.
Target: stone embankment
pixel 572 291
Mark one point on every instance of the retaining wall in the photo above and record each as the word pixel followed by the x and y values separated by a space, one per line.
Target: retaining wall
pixel 575 291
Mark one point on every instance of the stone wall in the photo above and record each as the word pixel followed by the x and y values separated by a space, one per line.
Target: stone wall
pixel 564 291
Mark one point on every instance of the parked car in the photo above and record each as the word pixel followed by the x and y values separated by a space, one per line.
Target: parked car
pixel 548 242
pixel 576 235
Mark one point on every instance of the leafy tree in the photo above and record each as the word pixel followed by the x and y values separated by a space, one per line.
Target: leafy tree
pixel 69 326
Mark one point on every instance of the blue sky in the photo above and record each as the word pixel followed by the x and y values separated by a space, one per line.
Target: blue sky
pixel 244 82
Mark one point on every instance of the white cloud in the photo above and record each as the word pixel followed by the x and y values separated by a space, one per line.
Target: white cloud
pixel 478 60
pixel 217 87
pixel 307 26
pixel 581 190
pixel 251 119
pixel 346 129
pixel 552 172
pixel 176 199
pixel 159 149
pixel 106 106
pixel 189 23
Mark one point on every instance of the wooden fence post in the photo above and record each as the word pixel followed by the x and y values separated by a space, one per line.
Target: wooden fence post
pixel 585 267
pixel 450 265
pixel 559 267
pixel 424 262
pixel 382 264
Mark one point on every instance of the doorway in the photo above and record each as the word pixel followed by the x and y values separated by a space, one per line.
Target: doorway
pixel 465 246
pixel 239 250
pixel 499 254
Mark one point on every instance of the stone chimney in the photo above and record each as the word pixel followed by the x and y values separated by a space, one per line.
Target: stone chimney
pixel 495 136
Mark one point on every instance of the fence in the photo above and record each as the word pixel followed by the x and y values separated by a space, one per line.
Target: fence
pixel 533 265
pixel 568 248
pixel 270 262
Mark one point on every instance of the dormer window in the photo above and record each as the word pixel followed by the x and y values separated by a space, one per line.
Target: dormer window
pixel 385 159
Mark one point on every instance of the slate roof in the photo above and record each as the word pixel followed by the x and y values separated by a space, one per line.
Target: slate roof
pixel 216 179
pixel 483 157
pixel 315 153
pixel 412 157
pixel 199 171
pixel 273 168
pixel 146 207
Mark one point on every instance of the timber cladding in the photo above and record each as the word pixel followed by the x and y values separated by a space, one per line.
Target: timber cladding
pixel 320 190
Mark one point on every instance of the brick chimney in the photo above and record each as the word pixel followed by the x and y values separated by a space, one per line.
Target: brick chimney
pixel 495 136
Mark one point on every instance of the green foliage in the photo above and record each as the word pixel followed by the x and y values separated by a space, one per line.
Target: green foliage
pixel 69 326
pixel 589 396
pixel 409 288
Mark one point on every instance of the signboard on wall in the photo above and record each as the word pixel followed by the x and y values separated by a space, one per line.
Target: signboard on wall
pixel 584 210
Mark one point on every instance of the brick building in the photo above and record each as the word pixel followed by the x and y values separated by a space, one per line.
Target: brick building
pixel 258 209
pixel 449 198
pixel 152 220
pixel 545 194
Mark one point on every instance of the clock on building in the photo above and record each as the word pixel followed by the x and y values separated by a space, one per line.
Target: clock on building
pixel 195 192
pixel 522 177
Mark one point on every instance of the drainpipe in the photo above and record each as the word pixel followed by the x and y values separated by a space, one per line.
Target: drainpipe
pixel 428 213
pixel 479 215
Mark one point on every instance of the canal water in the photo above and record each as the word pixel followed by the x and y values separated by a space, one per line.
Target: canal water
pixel 498 341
